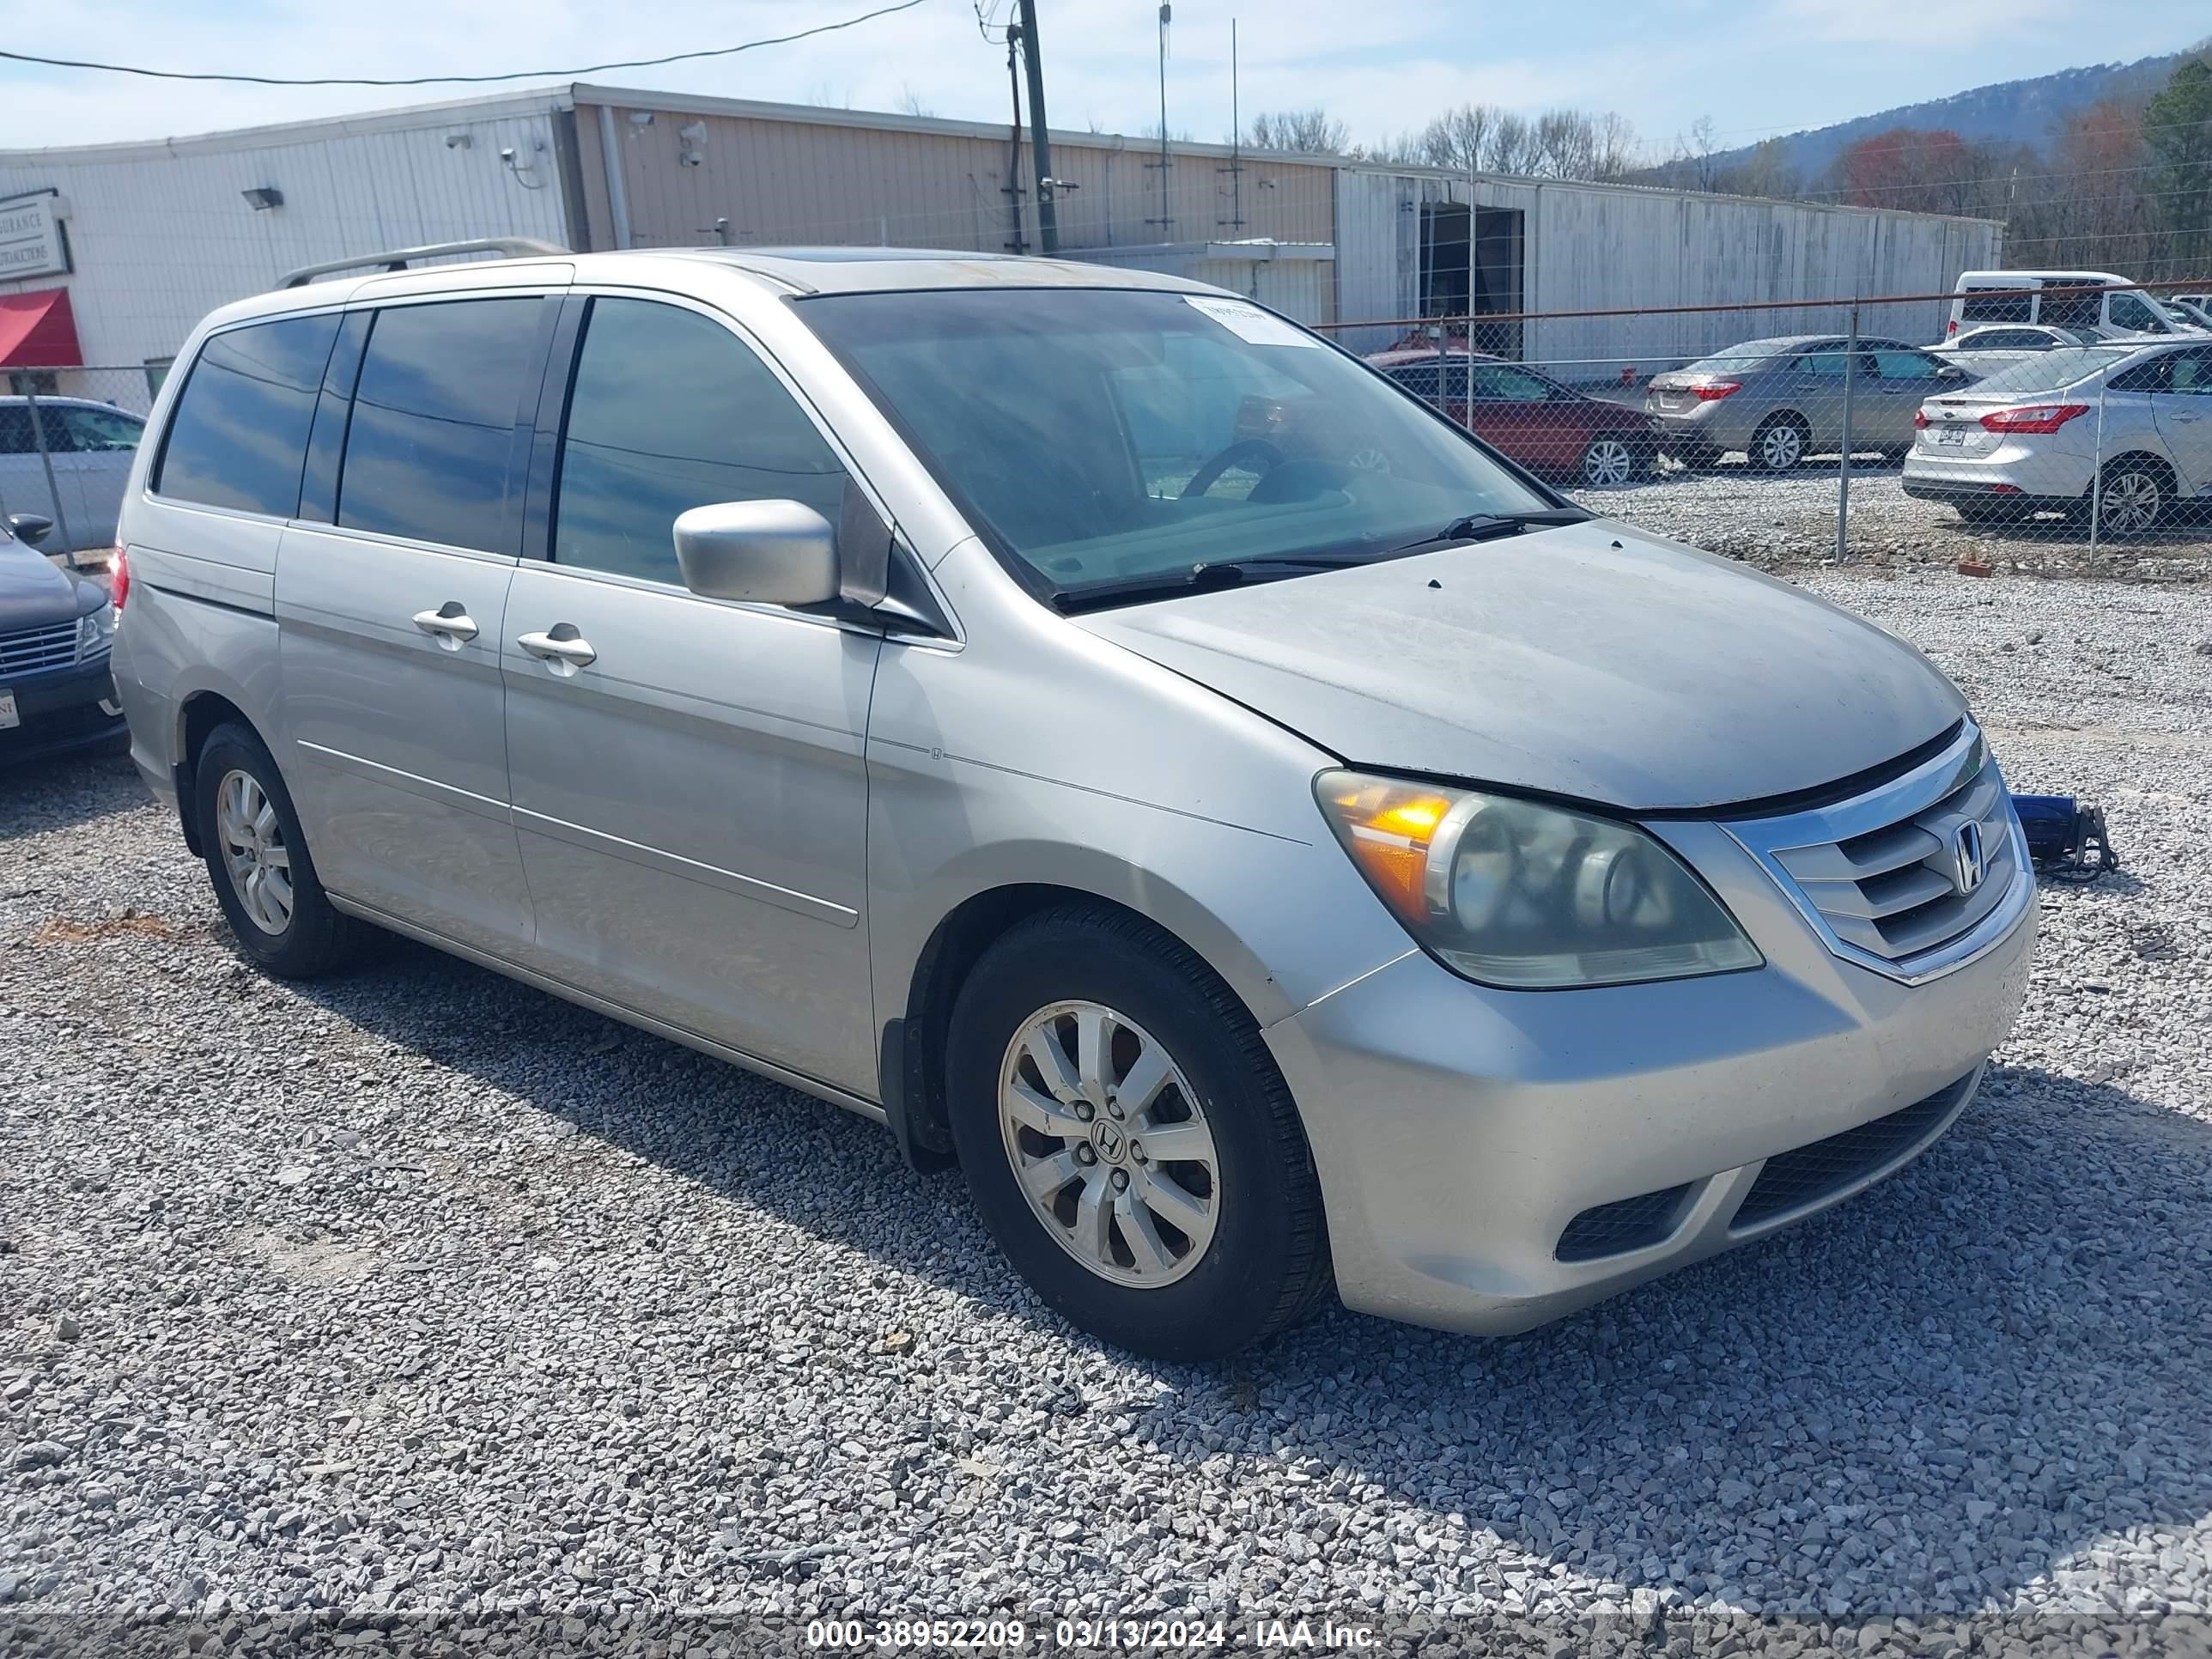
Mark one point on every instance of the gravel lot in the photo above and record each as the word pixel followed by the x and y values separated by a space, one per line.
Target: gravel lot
pixel 416 1311
pixel 1787 519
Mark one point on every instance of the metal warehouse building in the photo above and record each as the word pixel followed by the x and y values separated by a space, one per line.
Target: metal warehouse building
pixel 110 254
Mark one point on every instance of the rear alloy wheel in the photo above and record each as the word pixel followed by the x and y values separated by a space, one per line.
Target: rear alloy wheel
pixel 2133 498
pixel 1608 463
pixel 257 857
pixel 1781 443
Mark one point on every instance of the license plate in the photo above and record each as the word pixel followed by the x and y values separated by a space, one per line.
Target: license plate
pixel 7 715
pixel 1672 400
pixel 1951 437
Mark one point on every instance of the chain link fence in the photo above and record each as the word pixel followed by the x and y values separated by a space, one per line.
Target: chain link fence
pixel 2045 446
pixel 67 437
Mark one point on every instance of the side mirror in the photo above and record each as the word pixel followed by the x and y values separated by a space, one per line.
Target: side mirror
pixel 762 552
pixel 30 528
pixel 1950 372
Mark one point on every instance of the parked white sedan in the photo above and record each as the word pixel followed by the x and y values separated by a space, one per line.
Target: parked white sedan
pixel 2042 434
pixel 1982 352
pixel 77 479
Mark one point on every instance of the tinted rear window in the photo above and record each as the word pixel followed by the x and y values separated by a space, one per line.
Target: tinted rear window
pixel 2049 370
pixel 431 446
pixel 239 436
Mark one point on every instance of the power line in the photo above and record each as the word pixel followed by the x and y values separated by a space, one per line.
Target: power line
pixel 472 80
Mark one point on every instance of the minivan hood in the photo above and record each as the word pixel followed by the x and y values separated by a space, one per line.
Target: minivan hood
pixel 1590 660
pixel 34 592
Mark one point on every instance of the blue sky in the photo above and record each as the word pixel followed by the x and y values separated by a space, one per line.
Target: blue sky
pixel 1381 65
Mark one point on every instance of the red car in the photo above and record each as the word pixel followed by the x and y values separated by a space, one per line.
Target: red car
pixel 1529 417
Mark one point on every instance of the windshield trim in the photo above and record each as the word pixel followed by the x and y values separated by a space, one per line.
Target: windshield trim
pixel 1032 581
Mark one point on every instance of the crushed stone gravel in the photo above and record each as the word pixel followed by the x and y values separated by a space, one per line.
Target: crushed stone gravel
pixel 1779 521
pixel 416 1311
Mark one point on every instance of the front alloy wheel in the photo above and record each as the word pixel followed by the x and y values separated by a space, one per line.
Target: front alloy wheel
pixel 1109 1144
pixel 1608 464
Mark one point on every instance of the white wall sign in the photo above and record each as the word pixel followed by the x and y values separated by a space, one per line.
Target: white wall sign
pixel 31 242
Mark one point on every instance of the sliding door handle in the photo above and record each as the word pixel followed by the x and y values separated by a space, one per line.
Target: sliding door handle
pixel 561 644
pixel 450 624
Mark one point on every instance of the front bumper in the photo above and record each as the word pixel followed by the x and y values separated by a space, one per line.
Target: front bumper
pixel 60 712
pixel 1461 1132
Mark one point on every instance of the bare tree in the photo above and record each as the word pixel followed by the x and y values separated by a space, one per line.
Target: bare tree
pixel 1694 155
pixel 910 102
pixel 1559 144
pixel 1314 129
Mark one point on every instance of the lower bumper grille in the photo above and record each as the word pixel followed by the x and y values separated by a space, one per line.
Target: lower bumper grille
pixel 1807 1175
pixel 1627 1223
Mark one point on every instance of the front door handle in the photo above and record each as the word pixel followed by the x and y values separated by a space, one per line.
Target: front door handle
pixel 561 646
pixel 450 624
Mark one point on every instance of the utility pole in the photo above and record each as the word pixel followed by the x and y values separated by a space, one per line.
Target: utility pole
pixel 1040 143
pixel 1019 244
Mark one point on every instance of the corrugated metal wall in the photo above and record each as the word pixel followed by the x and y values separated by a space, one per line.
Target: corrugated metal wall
pixel 1597 248
pixel 159 234
pixel 802 176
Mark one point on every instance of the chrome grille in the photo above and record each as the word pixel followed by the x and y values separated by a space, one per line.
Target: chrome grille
pixel 1912 877
pixel 1896 891
pixel 34 648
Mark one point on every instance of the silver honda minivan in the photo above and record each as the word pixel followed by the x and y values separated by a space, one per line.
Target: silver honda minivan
pixel 1092 727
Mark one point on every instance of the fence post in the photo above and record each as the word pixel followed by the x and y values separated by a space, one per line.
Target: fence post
pixel 2097 467
pixel 47 461
pixel 1843 471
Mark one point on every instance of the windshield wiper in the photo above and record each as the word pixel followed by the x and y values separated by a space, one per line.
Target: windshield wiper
pixel 1200 578
pixel 1488 526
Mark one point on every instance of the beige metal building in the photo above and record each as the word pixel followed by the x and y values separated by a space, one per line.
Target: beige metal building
pixel 130 244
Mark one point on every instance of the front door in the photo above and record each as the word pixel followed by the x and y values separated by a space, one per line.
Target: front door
pixel 2185 418
pixel 1903 378
pixel 104 443
pixel 687 775
pixel 391 618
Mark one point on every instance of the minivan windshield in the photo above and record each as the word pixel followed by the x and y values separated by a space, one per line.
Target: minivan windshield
pixel 1104 436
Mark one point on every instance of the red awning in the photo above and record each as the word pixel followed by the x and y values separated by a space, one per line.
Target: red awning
pixel 38 330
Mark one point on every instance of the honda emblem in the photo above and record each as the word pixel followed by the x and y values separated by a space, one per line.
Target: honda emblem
pixel 1966 850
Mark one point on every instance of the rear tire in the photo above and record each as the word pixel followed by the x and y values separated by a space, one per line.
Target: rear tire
pixel 257 859
pixel 2138 492
pixel 1781 443
pixel 1229 1231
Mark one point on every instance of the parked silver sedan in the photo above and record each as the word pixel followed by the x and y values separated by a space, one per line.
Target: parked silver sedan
pixel 1781 401
pixel 2125 429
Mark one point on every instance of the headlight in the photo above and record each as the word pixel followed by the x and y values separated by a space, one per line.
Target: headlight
pixel 1514 894
pixel 95 632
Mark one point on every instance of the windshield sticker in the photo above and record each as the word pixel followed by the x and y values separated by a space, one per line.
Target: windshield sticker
pixel 1249 323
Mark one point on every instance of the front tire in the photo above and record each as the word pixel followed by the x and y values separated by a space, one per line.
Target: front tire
pixel 1610 462
pixel 257 859
pixel 1129 1140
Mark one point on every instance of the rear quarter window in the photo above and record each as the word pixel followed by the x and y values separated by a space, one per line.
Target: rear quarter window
pixel 239 437
pixel 1997 305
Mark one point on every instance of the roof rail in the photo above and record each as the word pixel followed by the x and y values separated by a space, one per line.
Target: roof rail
pixel 398 258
